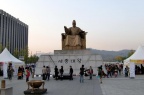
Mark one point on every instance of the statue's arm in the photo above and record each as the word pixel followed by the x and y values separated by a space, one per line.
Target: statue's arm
pixel 82 34
pixel 66 30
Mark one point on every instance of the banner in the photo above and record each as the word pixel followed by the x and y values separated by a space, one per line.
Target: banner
pixel 137 61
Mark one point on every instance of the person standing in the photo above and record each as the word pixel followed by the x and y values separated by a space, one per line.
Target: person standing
pixel 22 70
pixel 71 73
pixel 48 72
pixel 9 72
pixel 126 72
pixel 19 73
pixel 90 72
pixel 56 72
pixel 12 71
pixel 82 74
pixel 44 73
pixel 27 74
pixel 61 72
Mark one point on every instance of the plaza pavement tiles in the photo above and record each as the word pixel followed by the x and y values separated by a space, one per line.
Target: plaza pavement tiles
pixel 64 87
pixel 123 86
pixel 110 86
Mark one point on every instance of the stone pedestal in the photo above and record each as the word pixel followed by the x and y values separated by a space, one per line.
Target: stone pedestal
pixel 7 91
pixel 67 58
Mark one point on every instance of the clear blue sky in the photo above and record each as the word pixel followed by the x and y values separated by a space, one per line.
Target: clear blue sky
pixel 111 24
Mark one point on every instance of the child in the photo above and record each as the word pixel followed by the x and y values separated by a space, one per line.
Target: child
pixel 27 74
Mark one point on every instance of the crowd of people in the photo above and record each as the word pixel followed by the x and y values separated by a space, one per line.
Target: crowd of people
pixel 27 71
pixel 139 69
pixel 46 73
pixel 59 73
pixel 113 70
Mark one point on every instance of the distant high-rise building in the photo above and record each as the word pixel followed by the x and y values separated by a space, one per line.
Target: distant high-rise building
pixel 13 32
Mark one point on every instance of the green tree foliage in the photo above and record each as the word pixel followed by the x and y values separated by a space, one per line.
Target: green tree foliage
pixel 7 46
pixel 1 48
pixel 119 58
pixel 130 53
pixel 26 53
pixel 16 53
pixel 33 59
pixel 21 52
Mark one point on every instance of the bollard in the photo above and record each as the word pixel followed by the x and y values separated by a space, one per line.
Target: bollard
pixel 3 84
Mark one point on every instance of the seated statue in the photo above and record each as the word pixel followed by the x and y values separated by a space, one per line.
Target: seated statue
pixel 73 38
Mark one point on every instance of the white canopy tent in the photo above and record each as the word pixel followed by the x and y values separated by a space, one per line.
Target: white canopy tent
pixel 136 58
pixel 7 57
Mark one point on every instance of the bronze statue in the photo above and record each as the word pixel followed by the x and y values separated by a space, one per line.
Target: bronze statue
pixel 74 30
pixel 74 38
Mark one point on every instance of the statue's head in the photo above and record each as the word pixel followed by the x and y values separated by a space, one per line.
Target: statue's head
pixel 74 23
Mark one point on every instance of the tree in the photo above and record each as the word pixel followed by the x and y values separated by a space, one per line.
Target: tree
pixel 119 58
pixel 26 53
pixel 16 53
pixel 1 48
pixel 33 59
pixel 7 46
pixel 130 53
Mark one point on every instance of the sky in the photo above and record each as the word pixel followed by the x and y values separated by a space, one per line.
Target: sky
pixel 111 24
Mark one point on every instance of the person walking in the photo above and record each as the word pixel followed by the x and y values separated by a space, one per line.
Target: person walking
pixel 100 74
pixel 48 73
pixel 90 72
pixel 82 74
pixel 71 73
pixel 61 72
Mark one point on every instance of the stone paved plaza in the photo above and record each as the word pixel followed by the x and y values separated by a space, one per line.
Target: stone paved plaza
pixel 110 86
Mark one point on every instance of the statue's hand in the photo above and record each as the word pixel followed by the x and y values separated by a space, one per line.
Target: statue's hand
pixel 66 30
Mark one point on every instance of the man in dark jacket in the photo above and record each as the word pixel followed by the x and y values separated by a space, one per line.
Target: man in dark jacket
pixel 71 73
pixel 61 72
pixel 82 74
pixel 56 72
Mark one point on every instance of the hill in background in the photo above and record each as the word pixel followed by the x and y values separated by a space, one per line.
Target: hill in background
pixel 110 55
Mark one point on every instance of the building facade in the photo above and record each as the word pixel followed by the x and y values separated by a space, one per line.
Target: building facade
pixel 13 32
